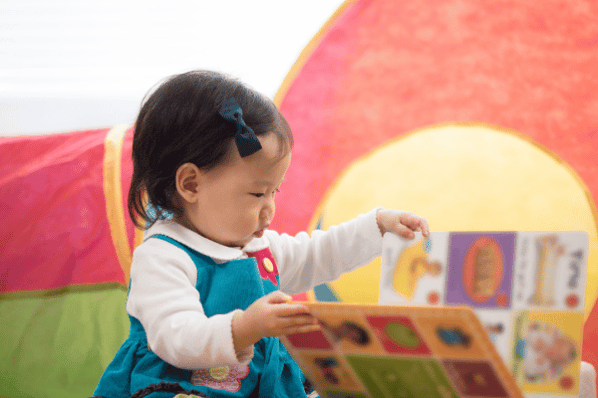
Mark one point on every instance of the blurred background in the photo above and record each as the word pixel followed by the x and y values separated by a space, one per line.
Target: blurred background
pixel 69 64
pixel 478 116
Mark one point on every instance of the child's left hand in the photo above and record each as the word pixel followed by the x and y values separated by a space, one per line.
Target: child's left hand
pixel 401 223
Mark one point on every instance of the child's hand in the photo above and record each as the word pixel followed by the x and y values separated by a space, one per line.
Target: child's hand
pixel 270 316
pixel 401 223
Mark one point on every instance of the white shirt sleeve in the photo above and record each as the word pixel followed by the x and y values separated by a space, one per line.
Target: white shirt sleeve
pixel 164 299
pixel 305 262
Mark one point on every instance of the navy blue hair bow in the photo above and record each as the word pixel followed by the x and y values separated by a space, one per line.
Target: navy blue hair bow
pixel 245 138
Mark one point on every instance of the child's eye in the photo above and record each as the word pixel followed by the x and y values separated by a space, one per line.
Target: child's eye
pixel 259 194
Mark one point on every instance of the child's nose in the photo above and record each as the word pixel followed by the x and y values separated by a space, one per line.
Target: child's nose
pixel 268 210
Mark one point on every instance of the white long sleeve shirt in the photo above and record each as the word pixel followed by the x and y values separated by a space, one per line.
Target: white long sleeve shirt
pixel 164 299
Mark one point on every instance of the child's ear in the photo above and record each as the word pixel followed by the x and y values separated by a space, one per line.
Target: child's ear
pixel 187 181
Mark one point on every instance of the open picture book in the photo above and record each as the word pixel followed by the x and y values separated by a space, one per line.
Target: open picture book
pixel 461 314
pixel 379 351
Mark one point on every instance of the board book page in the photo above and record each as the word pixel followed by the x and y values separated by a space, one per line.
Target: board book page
pixel 380 351
pixel 527 288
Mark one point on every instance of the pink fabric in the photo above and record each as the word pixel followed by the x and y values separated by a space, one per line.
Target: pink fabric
pixel 55 231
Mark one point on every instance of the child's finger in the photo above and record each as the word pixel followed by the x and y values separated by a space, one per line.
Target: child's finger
pixel 301 322
pixel 404 231
pixel 411 221
pixel 416 224
pixel 303 319
pixel 278 297
pixel 291 310
pixel 425 230
pixel 302 329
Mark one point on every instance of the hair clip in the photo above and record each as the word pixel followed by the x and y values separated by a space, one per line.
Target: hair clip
pixel 245 138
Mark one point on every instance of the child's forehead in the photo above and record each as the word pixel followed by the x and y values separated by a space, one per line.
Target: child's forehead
pixel 273 151
pixel 275 144
pixel 266 169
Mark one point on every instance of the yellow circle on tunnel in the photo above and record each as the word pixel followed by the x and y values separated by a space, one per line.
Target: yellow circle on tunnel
pixel 461 177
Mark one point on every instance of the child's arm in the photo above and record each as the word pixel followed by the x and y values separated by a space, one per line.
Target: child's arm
pixel 304 262
pixel 164 299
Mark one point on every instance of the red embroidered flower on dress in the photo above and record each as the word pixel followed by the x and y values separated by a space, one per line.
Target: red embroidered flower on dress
pixel 266 265
pixel 222 378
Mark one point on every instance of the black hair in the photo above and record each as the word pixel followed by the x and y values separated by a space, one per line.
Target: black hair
pixel 179 123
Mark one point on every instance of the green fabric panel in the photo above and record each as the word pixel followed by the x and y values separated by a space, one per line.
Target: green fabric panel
pixel 58 345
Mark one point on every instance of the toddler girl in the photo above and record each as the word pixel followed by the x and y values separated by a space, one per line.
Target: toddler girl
pixel 205 300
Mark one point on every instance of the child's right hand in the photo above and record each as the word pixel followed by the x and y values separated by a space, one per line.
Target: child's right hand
pixel 270 316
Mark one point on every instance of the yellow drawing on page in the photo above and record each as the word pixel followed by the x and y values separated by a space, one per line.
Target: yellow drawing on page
pixel 410 267
pixel 549 253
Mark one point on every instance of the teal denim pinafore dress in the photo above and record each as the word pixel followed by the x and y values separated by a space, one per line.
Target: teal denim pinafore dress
pixel 222 288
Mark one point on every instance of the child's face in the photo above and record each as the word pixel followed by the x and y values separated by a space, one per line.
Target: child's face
pixel 235 200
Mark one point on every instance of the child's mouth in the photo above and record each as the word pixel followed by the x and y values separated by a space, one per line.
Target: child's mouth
pixel 260 233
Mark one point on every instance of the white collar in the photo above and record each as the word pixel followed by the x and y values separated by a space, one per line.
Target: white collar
pixel 203 245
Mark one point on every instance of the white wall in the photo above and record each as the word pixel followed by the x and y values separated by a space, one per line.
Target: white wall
pixel 75 64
